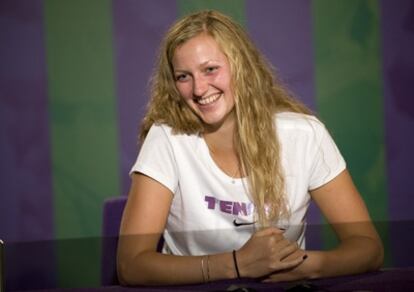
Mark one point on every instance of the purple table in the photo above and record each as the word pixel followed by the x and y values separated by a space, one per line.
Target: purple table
pixel 384 280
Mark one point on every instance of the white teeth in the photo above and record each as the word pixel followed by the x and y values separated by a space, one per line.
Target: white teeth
pixel 209 99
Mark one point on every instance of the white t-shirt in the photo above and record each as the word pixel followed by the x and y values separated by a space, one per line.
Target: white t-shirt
pixel 208 204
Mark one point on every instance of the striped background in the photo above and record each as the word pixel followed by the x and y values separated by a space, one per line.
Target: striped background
pixel 74 85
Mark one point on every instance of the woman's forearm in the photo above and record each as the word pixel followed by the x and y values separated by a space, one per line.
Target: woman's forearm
pixel 261 255
pixel 354 255
pixel 153 268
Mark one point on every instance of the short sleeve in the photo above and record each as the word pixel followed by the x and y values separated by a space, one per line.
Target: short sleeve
pixel 327 162
pixel 156 158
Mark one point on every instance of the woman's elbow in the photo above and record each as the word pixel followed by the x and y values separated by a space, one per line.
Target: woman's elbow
pixel 128 271
pixel 131 273
pixel 377 259
pixel 124 272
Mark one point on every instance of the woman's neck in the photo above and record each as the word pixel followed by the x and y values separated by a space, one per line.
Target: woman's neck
pixel 221 137
pixel 223 149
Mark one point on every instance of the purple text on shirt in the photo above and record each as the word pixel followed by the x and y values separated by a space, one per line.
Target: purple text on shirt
pixel 229 207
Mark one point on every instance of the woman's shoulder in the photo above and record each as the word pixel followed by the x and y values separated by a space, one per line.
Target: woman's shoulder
pixel 158 128
pixel 157 133
pixel 166 132
pixel 299 121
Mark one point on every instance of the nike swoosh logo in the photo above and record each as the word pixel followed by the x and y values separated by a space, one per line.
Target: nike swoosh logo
pixel 237 224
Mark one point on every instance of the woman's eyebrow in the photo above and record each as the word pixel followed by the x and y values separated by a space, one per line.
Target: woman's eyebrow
pixel 201 65
pixel 208 62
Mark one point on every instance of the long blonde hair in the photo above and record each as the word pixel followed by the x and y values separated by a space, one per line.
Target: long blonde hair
pixel 258 96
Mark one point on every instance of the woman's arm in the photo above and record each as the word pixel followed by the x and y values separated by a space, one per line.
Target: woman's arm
pixel 360 248
pixel 143 222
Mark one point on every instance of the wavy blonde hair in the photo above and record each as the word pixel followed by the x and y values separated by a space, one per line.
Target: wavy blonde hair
pixel 258 96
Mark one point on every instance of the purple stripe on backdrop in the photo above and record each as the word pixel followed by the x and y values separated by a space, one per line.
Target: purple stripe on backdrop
pixel 25 175
pixel 283 32
pixel 26 214
pixel 138 29
pixel 397 25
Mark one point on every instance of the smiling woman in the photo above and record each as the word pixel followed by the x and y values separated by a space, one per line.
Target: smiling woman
pixel 203 79
pixel 228 165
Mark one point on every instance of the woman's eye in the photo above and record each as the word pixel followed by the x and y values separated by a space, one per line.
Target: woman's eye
pixel 181 77
pixel 211 69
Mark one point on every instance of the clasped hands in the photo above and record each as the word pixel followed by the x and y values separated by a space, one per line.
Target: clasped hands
pixel 268 253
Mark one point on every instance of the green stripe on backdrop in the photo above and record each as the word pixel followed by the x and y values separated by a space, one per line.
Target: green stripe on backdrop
pixel 83 131
pixel 349 94
pixel 233 8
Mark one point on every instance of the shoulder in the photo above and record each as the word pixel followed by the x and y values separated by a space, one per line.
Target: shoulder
pixel 159 130
pixel 298 121
pixel 164 134
pixel 297 129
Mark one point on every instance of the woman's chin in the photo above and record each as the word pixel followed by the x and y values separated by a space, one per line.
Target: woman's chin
pixel 214 123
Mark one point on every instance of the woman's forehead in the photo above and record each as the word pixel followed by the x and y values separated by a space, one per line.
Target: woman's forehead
pixel 199 49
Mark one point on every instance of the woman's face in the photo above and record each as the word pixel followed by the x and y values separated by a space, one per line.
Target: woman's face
pixel 203 78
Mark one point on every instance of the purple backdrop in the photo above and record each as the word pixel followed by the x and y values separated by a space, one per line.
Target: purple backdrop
pixel 397 27
pixel 26 209
pixel 138 29
pixel 398 72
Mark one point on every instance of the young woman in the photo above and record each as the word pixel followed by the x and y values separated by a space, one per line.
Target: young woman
pixel 227 168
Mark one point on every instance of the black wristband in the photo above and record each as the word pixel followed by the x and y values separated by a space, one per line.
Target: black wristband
pixel 235 264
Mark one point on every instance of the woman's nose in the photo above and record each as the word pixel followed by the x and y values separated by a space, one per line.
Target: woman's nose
pixel 200 85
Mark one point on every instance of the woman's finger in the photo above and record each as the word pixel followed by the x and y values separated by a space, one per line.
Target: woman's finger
pixel 288 264
pixel 268 232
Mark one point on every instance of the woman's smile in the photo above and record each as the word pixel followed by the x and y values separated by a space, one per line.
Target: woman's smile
pixel 208 100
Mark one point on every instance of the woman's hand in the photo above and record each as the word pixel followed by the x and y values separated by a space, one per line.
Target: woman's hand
pixel 307 270
pixel 267 252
